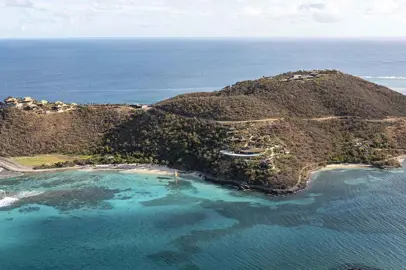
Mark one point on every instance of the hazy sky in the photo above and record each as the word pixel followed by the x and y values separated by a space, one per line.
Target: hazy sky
pixel 202 18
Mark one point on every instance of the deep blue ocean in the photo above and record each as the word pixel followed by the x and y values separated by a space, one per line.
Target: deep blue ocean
pixel 146 71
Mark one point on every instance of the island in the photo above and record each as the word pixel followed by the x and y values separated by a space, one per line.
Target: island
pixel 267 135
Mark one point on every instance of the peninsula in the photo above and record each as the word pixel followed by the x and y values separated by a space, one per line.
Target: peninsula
pixel 267 134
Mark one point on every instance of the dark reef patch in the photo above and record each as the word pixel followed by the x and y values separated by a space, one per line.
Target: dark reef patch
pixel 66 200
pixel 123 198
pixel 164 178
pixel 171 199
pixel 181 185
pixel 29 209
pixel 180 220
pixel 169 257
pixel 70 180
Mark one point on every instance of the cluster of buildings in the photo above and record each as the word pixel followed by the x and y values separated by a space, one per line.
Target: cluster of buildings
pixel 140 106
pixel 30 104
pixel 301 77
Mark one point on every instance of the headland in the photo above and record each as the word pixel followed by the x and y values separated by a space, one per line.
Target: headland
pixel 268 134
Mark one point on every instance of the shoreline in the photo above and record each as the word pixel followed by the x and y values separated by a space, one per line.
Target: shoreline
pixel 303 182
pixel 9 167
pixel 153 169
pixel 400 159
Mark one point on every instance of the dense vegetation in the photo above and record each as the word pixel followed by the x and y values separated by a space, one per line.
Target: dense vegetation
pixel 332 93
pixel 189 144
pixel 293 145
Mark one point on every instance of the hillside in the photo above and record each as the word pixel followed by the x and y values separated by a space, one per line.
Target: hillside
pixel 274 155
pixel 292 147
pixel 326 93
pixel 24 133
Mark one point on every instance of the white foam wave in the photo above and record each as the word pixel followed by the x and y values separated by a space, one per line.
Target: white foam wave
pixel 384 77
pixel 7 201
pixel 26 194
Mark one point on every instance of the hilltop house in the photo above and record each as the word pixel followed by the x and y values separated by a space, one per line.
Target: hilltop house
pixel 42 103
pixel 57 107
pixel 12 102
pixel 31 107
pixel 43 106
pixel 28 100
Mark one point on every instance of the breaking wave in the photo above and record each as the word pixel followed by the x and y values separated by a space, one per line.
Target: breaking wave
pixel 7 201
pixel 384 77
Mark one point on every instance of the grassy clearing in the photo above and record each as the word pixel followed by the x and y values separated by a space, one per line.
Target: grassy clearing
pixel 38 160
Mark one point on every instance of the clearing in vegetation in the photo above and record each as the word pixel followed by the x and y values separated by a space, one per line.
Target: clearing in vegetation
pixel 33 161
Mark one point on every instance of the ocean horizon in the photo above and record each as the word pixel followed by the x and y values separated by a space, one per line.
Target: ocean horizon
pixel 148 70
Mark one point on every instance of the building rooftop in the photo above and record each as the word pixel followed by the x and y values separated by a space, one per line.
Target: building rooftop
pixel 252 151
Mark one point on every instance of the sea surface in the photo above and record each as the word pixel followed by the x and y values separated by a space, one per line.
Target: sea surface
pixel 112 220
pixel 149 70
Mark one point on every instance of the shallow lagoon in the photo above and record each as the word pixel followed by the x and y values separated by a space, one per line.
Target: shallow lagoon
pixel 110 220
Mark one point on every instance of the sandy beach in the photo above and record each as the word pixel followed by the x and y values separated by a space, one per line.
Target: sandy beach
pixel 11 169
pixel 344 166
pixel 137 168
pixel 401 159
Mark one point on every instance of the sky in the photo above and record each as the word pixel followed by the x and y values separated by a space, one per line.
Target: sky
pixel 202 18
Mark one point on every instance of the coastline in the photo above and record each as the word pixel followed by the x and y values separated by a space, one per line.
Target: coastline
pixel 400 159
pixel 8 167
pixel 305 175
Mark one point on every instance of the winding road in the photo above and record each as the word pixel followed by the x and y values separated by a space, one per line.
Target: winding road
pixel 275 119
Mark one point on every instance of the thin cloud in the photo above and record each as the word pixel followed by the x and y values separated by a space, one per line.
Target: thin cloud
pixel 18 3
pixel 199 17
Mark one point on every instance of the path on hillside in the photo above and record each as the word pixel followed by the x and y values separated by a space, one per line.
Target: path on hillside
pixel 230 122
pixel 316 119
pixel 275 119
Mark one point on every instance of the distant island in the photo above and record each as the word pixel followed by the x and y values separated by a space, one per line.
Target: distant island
pixel 268 134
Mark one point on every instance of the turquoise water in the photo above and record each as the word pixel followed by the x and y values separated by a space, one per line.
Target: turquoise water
pixel 111 220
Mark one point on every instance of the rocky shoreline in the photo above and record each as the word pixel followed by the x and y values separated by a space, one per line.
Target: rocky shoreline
pixel 302 181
